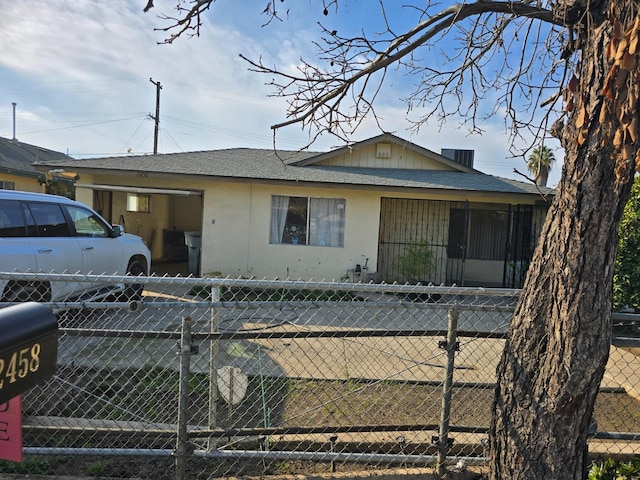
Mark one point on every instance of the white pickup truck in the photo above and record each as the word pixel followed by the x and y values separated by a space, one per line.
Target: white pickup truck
pixel 52 234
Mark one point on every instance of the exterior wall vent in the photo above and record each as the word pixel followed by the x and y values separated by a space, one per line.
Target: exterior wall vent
pixel 383 150
pixel 463 157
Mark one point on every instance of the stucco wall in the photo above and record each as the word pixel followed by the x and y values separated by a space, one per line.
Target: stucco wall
pixel 85 195
pixel 26 184
pixel 186 213
pixel 236 234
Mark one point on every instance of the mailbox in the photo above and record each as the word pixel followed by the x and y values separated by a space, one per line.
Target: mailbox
pixel 28 347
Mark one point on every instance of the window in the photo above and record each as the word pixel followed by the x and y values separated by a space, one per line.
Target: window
pixel 138 202
pixel 11 220
pixel 7 185
pixel 48 219
pixel 485 229
pixel 86 223
pixel 307 221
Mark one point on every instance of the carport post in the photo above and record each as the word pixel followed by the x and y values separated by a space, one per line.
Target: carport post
pixel 182 441
pixel 447 390
pixel 213 363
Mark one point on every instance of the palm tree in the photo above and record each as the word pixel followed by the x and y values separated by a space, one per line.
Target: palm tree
pixel 540 162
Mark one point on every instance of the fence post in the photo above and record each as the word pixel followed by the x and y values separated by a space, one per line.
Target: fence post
pixel 213 364
pixel 450 346
pixel 182 441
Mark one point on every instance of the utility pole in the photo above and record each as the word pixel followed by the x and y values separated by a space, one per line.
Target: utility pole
pixel 156 118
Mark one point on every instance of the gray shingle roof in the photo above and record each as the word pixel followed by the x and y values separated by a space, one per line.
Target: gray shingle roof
pixel 18 157
pixel 267 166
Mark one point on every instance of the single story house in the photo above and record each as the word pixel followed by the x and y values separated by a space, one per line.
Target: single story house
pixel 17 170
pixel 383 209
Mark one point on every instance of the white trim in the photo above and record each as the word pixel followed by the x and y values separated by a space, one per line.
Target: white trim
pixel 121 188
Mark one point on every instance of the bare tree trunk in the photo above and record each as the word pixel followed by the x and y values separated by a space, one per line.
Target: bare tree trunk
pixel 558 342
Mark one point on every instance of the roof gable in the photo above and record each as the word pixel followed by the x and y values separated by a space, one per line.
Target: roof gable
pixel 386 151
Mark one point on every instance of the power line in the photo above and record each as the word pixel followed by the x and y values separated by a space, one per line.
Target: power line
pixel 80 126
pixel 133 134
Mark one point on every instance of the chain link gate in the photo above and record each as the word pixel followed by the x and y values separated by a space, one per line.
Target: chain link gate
pixel 309 376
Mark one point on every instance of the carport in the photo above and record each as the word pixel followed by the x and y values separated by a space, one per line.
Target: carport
pixel 161 216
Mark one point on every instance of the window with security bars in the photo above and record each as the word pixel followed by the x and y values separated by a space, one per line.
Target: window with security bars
pixel 486 231
pixel 307 221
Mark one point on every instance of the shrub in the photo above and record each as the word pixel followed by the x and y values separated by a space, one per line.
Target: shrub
pixel 614 470
pixel 417 262
pixel 626 280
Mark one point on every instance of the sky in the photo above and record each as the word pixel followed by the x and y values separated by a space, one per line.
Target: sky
pixel 80 71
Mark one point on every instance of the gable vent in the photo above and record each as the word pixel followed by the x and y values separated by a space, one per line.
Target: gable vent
pixel 463 157
pixel 383 150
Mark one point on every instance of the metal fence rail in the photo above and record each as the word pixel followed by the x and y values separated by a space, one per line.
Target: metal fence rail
pixel 216 377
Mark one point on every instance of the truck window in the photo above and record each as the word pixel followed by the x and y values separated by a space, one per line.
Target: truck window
pixel 11 219
pixel 50 219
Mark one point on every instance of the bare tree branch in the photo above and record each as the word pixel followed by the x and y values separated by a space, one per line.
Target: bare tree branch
pixel 336 91
pixel 188 19
pixel 317 93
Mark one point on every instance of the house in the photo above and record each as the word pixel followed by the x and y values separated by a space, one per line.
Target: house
pixel 382 209
pixel 17 171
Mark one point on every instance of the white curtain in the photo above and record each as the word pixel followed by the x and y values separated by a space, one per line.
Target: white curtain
pixel 279 209
pixel 326 222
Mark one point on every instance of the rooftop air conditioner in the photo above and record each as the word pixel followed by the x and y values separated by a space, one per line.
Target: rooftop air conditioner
pixel 463 157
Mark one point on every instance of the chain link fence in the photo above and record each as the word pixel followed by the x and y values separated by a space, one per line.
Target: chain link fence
pixel 202 378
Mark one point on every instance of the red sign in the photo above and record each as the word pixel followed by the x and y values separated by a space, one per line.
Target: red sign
pixel 11 430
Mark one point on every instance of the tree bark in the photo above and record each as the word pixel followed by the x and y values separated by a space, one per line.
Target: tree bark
pixel 558 342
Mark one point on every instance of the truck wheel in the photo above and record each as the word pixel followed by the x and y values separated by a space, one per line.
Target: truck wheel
pixel 133 291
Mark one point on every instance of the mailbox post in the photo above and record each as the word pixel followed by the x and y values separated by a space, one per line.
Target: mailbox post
pixel 28 347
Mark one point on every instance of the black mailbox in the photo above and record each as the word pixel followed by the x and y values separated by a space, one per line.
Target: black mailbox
pixel 28 347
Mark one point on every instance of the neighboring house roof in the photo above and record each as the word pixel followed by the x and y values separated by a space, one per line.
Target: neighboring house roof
pixel 18 158
pixel 263 165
